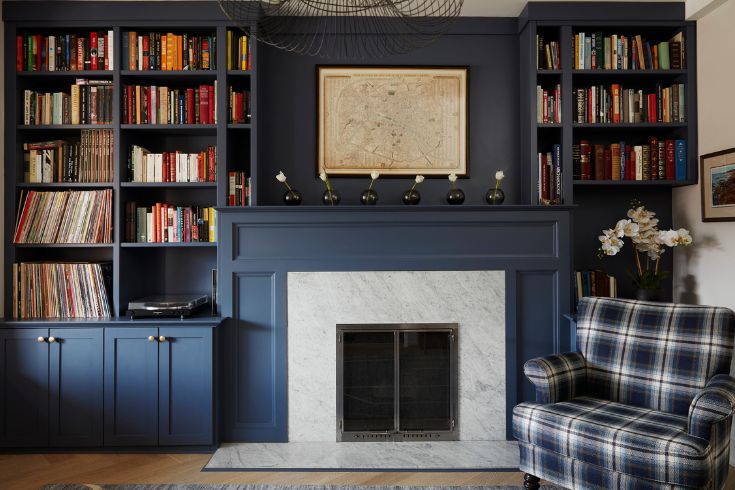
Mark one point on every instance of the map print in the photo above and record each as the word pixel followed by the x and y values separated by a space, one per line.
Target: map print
pixel 393 121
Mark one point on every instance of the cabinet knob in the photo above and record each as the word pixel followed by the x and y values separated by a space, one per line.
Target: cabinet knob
pixel 52 339
pixel 151 338
pixel 41 340
pixel 162 339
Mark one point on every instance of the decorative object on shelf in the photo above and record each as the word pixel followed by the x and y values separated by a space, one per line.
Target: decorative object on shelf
pixel 717 171
pixel 642 229
pixel 292 197
pixel 496 194
pixel 369 196
pixel 331 196
pixel 399 121
pixel 344 28
pixel 455 195
pixel 412 196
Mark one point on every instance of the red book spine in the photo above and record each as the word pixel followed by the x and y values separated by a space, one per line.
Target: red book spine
pixel 93 43
pixel 39 43
pixel 670 160
pixel 210 92
pixel 19 53
pixel 189 106
pixel 212 164
pixel 148 105
pixel 238 108
pixel 129 89
pixel 544 177
pixel 203 105
pixel 146 52
pixel 629 164
pixel 231 188
pixel 652 108
pixel 172 167
pixel 107 52
pixel 589 106
pixel 80 53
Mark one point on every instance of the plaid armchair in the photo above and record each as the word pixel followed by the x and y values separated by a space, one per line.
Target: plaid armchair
pixel 646 403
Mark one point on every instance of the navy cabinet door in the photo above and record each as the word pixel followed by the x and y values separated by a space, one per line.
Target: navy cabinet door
pixel 75 387
pixel 185 386
pixel 24 358
pixel 131 386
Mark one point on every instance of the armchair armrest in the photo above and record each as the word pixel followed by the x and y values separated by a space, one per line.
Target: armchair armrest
pixel 557 378
pixel 713 404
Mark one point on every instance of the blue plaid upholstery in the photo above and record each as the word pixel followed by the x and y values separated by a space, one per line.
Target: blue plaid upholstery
pixel 646 403
pixel 558 377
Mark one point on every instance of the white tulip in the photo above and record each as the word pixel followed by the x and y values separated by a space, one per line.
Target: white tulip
pixel 499 175
pixel 323 176
pixel 281 177
pixel 452 178
pixel 419 179
pixel 374 175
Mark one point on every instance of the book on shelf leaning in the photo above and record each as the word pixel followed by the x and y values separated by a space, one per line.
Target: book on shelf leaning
pixel 89 159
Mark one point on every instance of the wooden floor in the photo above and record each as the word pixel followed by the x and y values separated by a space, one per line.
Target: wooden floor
pixel 20 472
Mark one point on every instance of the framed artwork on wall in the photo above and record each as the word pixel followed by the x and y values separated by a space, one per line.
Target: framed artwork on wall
pixel 717 171
pixel 396 120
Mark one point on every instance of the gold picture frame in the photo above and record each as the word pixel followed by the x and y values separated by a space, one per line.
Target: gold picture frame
pixel 717 173
pixel 400 121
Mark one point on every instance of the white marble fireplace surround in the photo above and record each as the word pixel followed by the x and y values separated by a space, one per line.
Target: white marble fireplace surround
pixel 318 301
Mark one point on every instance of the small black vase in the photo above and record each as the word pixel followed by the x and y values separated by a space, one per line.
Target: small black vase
pixel 369 197
pixel 495 196
pixel 331 198
pixel 292 198
pixel 411 196
pixel 455 196
pixel 642 294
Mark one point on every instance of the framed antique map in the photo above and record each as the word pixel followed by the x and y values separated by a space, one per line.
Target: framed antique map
pixel 397 120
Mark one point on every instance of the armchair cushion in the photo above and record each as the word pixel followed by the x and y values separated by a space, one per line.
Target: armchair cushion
pixel 646 443
pixel 713 404
pixel 557 378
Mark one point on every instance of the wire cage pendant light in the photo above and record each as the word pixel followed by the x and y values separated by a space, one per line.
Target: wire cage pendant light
pixel 344 28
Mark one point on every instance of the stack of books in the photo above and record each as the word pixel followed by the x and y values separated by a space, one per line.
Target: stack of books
pixel 596 51
pixel 594 283
pixel 239 106
pixel 164 105
pixel 549 183
pixel 238 191
pixel 169 51
pixel 64 217
pixel 548 55
pixel 168 223
pixel 548 105
pixel 90 102
pixel 61 290
pixel 616 104
pixel 657 159
pixel 87 160
pixel 238 52
pixel 172 166
pixel 64 52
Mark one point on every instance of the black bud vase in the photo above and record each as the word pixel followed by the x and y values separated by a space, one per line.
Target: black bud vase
pixel 369 197
pixel 495 196
pixel 292 198
pixel 331 198
pixel 411 196
pixel 455 196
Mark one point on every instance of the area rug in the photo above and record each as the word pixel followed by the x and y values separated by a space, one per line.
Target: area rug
pixel 445 456
pixel 188 486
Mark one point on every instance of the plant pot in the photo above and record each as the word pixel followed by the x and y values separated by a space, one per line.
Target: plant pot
pixel 331 198
pixel 292 198
pixel 495 196
pixel 642 294
pixel 411 197
pixel 369 197
pixel 455 196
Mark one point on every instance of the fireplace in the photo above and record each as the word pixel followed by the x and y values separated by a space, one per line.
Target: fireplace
pixel 397 382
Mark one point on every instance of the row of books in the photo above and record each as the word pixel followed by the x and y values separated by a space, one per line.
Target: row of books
pixel 616 104
pixel 164 105
pixel 64 52
pixel 548 55
pixel 90 102
pixel 594 283
pixel 172 166
pixel 169 51
pixel 61 290
pixel 239 106
pixel 238 189
pixel 168 223
pixel 238 52
pixel 548 104
pixel 658 159
pixel 88 160
pixel 550 177
pixel 596 51
pixel 64 217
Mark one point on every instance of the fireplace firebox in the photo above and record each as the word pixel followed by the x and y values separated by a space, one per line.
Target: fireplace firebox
pixel 397 382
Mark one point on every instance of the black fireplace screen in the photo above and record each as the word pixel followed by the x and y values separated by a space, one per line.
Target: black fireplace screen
pixel 397 382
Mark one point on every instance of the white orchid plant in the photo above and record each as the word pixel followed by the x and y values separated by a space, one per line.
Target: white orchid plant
pixel 648 241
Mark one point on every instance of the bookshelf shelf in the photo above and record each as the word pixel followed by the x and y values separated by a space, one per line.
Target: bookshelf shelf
pixel 168 127
pixel 625 73
pixel 239 126
pixel 627 125
pixel 170 185
pixel 549 72
pixel 66 74
pixel 169 73
pixel 169 245
pixel 634 183
pixel 239 73
pixel 64 185
pixel 62 127
pixel 63 245
pixel 549 125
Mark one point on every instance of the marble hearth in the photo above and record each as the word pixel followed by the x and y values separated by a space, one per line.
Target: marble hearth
pixel 318 301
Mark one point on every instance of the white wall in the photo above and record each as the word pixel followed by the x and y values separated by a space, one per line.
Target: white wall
pixel 704 273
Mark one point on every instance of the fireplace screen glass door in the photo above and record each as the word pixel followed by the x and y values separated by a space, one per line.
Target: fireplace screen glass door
pixel 396 382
